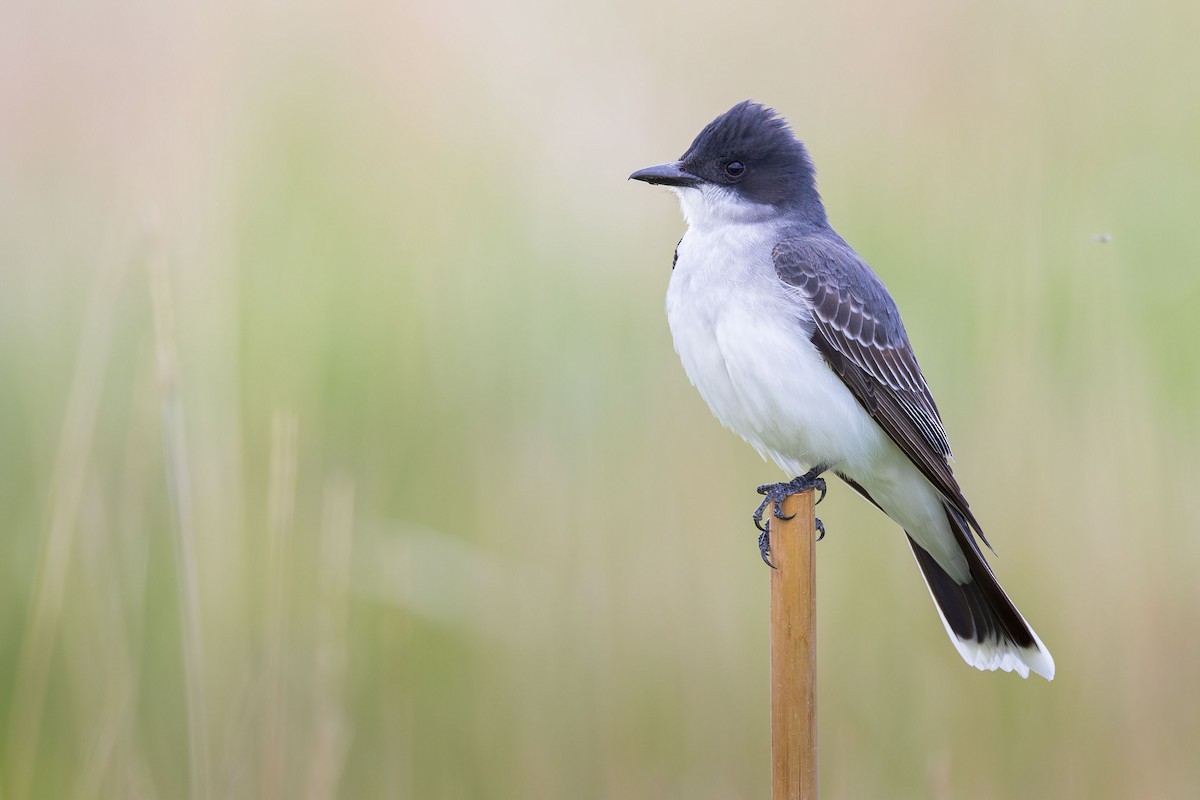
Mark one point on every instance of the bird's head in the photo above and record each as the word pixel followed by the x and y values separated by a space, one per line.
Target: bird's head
pixel 746 163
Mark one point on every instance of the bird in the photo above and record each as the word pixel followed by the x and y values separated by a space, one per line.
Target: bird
pixel 796 345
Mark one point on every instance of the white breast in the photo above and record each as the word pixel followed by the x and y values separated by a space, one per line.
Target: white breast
pixel 744 340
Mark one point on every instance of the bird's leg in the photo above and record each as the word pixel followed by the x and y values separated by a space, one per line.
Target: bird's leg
pixel 774 495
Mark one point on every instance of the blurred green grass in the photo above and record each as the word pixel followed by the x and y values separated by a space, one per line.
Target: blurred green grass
pixel 459 526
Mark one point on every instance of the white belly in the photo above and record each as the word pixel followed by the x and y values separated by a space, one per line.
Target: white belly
pixel 744 343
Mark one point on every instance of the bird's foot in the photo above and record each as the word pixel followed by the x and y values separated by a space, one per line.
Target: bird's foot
pixel 774 494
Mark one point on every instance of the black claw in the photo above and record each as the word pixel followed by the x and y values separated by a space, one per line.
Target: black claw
pixel 779 506
pixel 764 545
pixel 820 528
pixel 758 512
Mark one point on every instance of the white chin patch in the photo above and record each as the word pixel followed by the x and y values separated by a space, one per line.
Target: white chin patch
pixel 707 206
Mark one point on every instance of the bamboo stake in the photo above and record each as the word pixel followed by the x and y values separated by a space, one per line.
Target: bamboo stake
pixel 794 652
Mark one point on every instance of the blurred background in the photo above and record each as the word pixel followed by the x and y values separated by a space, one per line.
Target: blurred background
pixel 344 453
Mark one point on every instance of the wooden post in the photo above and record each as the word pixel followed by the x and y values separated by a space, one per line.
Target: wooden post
pixel 794 652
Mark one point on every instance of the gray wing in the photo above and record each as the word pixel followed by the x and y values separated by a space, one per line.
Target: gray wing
pixel 858 330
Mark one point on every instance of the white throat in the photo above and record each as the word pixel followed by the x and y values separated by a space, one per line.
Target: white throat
pixel 708 206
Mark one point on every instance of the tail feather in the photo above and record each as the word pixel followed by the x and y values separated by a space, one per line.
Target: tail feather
pixel 982 622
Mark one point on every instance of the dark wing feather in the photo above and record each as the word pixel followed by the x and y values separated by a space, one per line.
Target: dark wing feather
pixel 858 330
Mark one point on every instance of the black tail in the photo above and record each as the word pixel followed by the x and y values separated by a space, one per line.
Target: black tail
pixel 986 627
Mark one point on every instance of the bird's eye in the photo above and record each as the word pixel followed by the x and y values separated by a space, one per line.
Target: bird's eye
pixel 735 169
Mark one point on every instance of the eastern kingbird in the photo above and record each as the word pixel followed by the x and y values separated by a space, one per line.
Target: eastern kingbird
pixel 796 345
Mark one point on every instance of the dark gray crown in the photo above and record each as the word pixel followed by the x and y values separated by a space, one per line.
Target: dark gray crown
pixel 778 170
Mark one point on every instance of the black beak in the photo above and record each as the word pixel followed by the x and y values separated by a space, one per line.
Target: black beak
pixel 672 174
